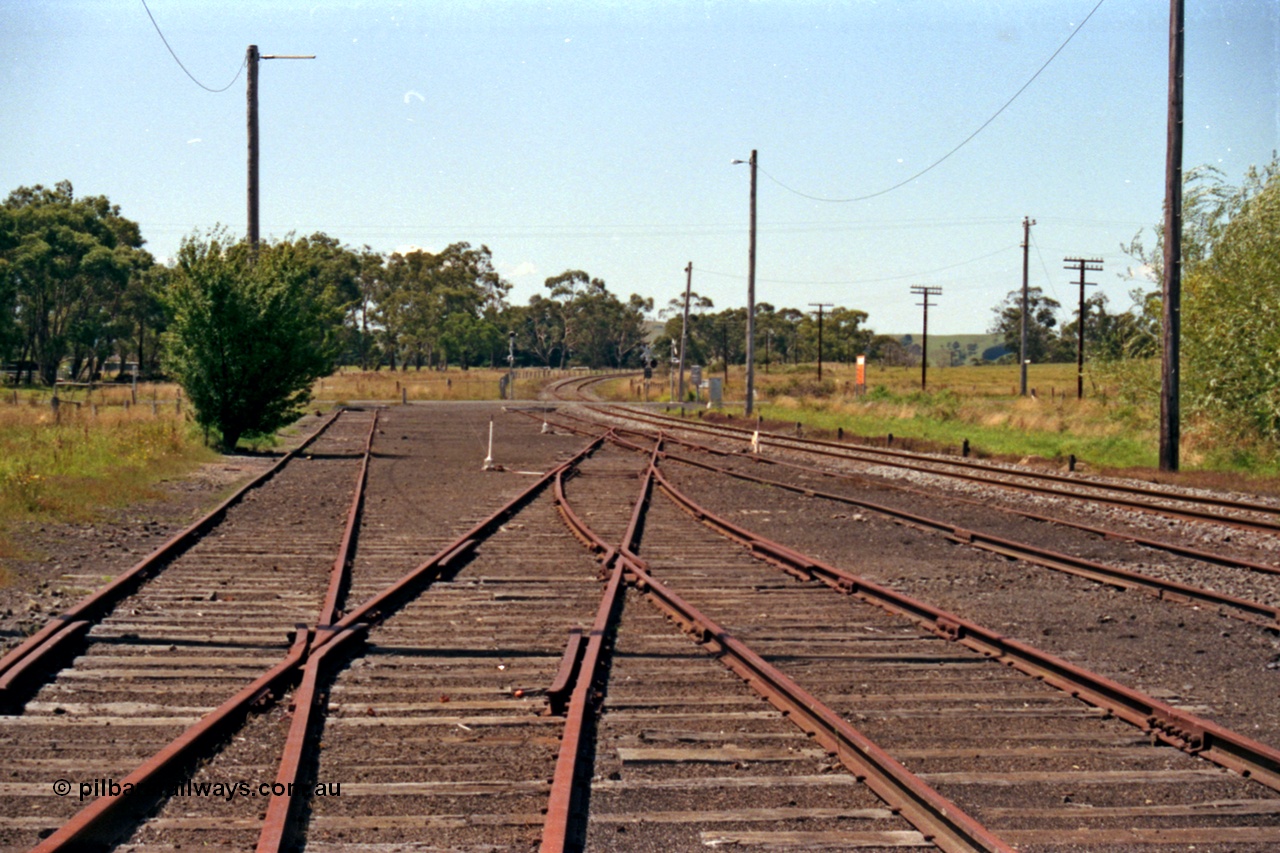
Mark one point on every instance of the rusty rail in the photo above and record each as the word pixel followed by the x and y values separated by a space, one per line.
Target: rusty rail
pixel 992 473
pixel 558 830
pixel 340 575
pixel 938 819
pixel 1158 544
pixel 96 824
pixel 23 667
pixel 1173 726
pixel 1253 611
pixel 282 809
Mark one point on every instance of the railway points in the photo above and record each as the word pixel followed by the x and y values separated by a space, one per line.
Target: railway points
pixel 469 651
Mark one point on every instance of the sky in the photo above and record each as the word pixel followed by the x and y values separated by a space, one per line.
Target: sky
pixel 600 135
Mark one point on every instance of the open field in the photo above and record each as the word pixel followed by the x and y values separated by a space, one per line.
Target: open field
pixel 411 385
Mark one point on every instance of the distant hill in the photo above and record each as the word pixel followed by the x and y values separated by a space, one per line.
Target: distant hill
pixel 957 349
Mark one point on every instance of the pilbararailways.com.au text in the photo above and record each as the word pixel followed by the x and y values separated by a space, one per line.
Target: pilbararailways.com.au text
pixel 221 790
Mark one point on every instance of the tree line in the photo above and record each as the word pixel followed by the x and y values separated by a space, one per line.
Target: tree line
pixel 79 293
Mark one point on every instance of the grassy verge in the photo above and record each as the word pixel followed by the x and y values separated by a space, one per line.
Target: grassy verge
pixel 1108 429
pixel 69 465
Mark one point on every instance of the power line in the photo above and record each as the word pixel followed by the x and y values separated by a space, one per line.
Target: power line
pixel 963 142
pixel 179 61
pixel 868 280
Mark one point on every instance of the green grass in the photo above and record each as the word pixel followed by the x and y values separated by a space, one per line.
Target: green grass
pixel 1111 428
pixel 70 467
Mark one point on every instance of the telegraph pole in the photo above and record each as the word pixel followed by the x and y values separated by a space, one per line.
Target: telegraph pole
pixel 1170 361
pixel 251 60
pixel 926 292
pixel 684 327
pixel 751 295
pixel 820 306
pixel 1022 350
pixel 1091 265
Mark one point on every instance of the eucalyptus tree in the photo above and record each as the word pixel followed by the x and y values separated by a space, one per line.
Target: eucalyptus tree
pixel 65 264
pixel 423 290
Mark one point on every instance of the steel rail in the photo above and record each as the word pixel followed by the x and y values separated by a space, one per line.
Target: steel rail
pixel 1252 611
pixel 278 823
pixel 566 791
pixel 922 463
pixel 1188 732
pixel 339 576
pixel 277 832
pixel 1158 544
pixel 938 819
pixel 23 667
pixel 94 826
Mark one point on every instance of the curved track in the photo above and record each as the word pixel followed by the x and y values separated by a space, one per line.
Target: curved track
pixel 608 643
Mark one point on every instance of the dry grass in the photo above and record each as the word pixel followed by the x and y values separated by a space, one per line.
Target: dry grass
pixel 68 465
pixel 419 385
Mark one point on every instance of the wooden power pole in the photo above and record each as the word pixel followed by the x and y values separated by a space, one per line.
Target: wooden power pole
pixel 251 60
pixel 1170 361
pixel 1083 265
pixel 1022 348
pixel 820 306
pixel 926 292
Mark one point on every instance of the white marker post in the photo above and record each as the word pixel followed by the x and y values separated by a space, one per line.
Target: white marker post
pixel 488 460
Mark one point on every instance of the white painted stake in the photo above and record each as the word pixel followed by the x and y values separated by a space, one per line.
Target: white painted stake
pixel 755 442
pixel 488 460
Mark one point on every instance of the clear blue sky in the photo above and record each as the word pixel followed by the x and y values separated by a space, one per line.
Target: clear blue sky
pixel 599 135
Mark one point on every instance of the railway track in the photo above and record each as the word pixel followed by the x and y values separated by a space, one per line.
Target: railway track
pixel 480 680
pixel 1243 513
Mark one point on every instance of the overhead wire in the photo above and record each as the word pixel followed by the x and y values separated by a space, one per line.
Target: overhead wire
pixel 1048 278
pixel 963 142
pixel 866 280
pixel 179 61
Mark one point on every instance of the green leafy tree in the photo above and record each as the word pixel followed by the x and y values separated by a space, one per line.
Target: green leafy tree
pixel 66 264
pixel 423 290
pixel 250 333
pixel 1044 343
pixel 1231 317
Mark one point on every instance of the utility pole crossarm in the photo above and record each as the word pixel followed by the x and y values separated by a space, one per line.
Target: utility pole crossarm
pixel 1083 265
pixel 251 61
pixel 820 306
pixel 925 291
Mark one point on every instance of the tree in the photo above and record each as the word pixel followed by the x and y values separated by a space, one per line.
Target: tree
pixel 422 290
pixel 1043 344
pixel 250 333
pixel 66 264
pixel 598 328
pixel 1231 317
